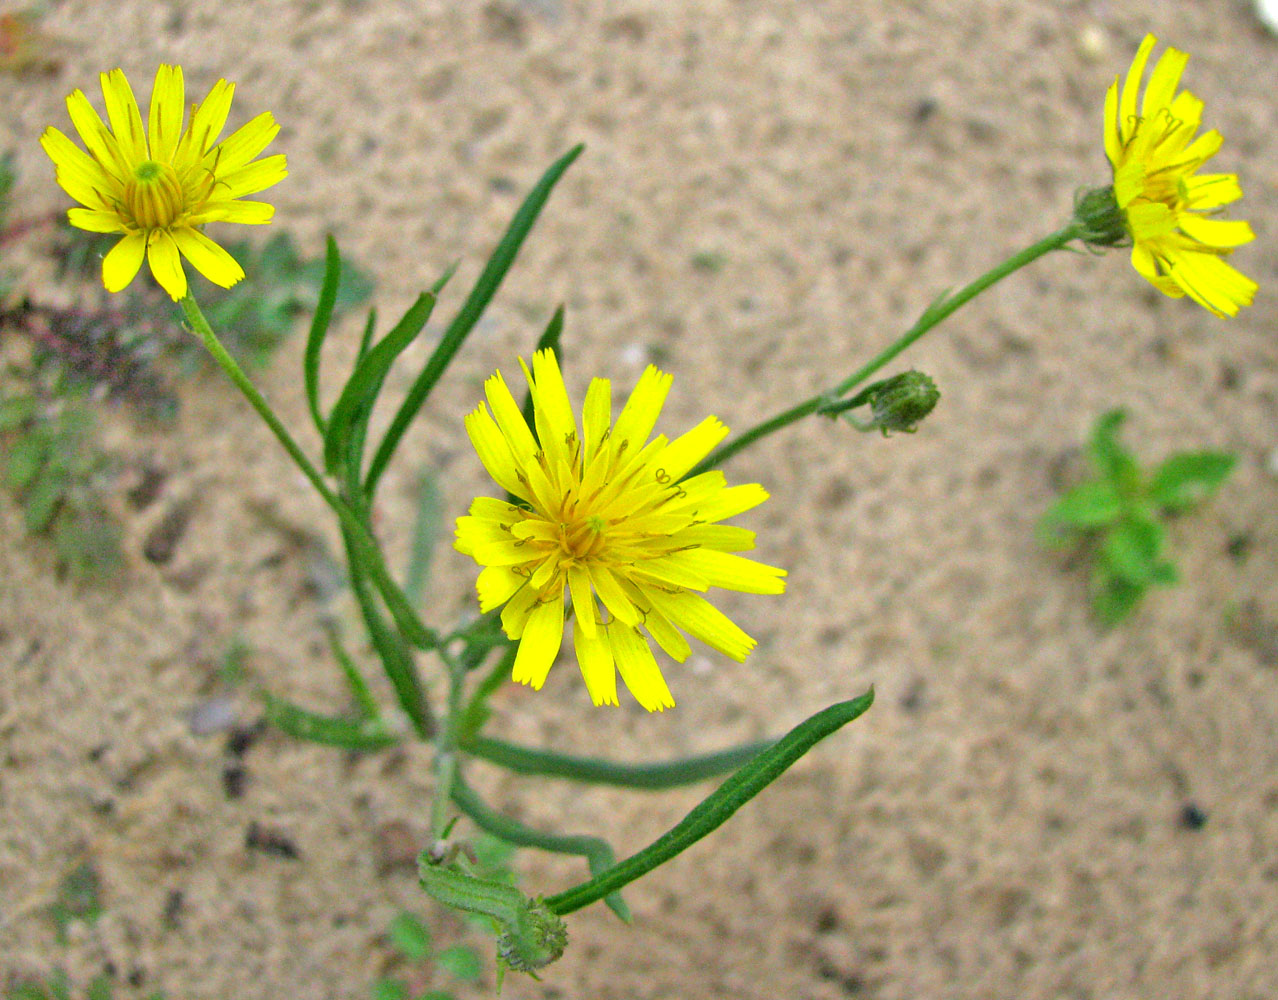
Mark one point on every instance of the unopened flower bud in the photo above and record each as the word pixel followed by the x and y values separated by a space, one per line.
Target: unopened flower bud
pixel 899 403
pixel 1101 222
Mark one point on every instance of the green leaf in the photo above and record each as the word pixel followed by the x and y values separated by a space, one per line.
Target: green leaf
pixel 27 991
pixel 99 988
pixel 79 898
pixel 472 309
pixel 390 989
pixel 352 734
pixel 1114 598
pixel 718 806
pixel 319 329
pixel 410 936
pixel 593 770
pixel 437 995
pixel 16 411
pixel 26 458
pixel 1088 505
pixel 1114 461
pixel 1131 550
pixel 460 962
pixel 425 534
pixel 364 384
pixel 1189 478
pixel 42 500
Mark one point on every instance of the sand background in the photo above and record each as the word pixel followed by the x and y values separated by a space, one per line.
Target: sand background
pixel 770 193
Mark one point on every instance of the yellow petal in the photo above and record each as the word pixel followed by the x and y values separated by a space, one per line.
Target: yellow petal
pixel 166 263
pixel 583 599
pixel 81 176
pixel 95 221
pixel 242 145
pixel 510 419
pixel 539 645
pixel 594 658
pixel 256 176
pixel 207 121
pixel 610 592
pixel 248 213
pixel 702 620
pixel 1113 131
pixel 497 585
pixel 689 448
pixel 639 415
pixel 126 120
pixel 1131 88
pixel 167 109
pixel 721 569
pixel 121 264
pixel 1162 82
pixel 1205 191
pixel 97 137
pixel 494 452
pixel 639 669
pixel 208 258
pixel 1217 233
pixel 596 416
pixel 552 410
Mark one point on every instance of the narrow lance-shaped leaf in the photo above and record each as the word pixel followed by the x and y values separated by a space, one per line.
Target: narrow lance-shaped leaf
pixel 592 770
pixel 598 854
pixel 319 330
pixel 715 809
pixel 367 380
pixel 351 734
pixel 485 288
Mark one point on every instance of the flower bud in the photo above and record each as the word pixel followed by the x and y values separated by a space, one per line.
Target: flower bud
pixel 1100 221
pixel 900 402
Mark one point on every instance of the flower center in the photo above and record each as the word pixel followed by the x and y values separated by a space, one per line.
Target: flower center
pixel 153 195
pixel 581 539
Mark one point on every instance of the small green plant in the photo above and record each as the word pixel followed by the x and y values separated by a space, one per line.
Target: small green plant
pixel 411 939
pixel 56 986
pixel 1119 513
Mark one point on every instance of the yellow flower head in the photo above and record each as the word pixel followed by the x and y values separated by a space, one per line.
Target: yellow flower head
pixel 604 517
pixel 159 186
pixel 1176 244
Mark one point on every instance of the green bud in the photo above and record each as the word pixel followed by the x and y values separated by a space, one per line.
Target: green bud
pixel 530 936
pixel 537 938
pixel 1101 222
pixel 900 402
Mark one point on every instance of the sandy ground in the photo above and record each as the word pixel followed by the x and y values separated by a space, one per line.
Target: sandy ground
pixel 1008 820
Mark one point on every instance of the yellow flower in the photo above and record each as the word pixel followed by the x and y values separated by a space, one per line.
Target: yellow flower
pixel 604 517
pixel 159 186
pixel 1176 244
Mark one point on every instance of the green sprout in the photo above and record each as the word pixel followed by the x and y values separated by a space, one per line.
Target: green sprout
pixel 1119 516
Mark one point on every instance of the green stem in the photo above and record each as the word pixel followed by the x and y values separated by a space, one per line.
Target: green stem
pixel 668 774
pixel 599 856
pixel 717 807
pixel 365 544
pixel 933 315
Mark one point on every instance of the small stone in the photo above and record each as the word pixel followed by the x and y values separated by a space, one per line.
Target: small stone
pixel 216 715
pixel 1092 44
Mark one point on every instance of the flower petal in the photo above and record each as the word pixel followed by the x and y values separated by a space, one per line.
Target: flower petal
pixel 209 259
pixel 539 645
pixel 595 660
pixel 167 109
pixel 126 119
pixel 122 262
pixel 638 668
pixel 166 263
